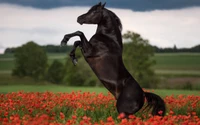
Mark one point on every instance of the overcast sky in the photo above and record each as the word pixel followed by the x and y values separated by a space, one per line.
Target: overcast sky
pixel 163 28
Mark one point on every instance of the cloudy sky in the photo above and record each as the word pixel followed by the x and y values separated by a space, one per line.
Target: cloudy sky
pixel 174 24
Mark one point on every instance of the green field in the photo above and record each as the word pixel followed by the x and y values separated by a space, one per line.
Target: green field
pixel 170 63
pixel 179 61
pixel 178 64
pixel 56 88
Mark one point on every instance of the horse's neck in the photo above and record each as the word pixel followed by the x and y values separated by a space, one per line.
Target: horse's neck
pixel 109 28
pixel 106 25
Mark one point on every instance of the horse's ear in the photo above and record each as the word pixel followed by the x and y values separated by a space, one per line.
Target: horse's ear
pixel 99 4
pixel 103 5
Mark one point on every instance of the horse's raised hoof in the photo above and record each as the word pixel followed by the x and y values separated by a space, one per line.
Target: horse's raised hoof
pixel 74 61
pixel 65 40
pixel 63 43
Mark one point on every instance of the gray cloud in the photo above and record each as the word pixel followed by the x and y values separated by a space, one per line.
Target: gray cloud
pixel 136 5
pixel 163 28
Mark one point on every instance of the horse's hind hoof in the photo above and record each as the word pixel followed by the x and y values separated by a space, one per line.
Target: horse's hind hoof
pixel 75 61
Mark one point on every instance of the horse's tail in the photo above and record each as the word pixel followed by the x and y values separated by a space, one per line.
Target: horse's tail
pixel 156 103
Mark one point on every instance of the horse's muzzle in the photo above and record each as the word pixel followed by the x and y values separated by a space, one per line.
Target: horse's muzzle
pixel 80 19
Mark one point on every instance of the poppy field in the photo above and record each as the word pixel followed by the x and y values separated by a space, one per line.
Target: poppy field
pixel 83 108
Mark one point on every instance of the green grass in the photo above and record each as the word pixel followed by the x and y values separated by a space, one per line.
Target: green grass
pixel 178 72
pixel 6 65
pixel 57 88
pixel 177 64
pixel 7 79
pixel 6 62
pixel 6 56
pixel 52 88
pixel 180 61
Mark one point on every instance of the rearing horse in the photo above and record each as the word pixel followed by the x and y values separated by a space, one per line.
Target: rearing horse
pixel 103 52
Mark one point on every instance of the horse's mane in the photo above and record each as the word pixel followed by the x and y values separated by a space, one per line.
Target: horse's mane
pixel 118 21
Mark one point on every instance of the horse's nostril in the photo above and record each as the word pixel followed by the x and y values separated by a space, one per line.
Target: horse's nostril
pixel 80 19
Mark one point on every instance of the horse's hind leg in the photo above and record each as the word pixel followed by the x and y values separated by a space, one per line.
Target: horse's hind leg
pixel 130 100
pixel 72 53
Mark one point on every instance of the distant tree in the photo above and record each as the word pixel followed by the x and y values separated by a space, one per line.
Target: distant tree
pixel 30 60
pixel 175 48
pixel 9 50
pixel 137 58
pixel 56 49
pixel 195 48
pixel 56 72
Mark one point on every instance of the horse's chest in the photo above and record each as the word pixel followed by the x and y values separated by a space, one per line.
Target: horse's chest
pixel 105 66
pixel 96 63
pixel 106 69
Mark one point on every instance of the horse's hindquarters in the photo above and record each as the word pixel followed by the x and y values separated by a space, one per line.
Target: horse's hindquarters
pixel 131 99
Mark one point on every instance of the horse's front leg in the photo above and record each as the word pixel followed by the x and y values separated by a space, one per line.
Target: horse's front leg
pixel 72 53
pixel 84 41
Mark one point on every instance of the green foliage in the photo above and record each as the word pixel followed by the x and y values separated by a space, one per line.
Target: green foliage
pixel 30 60
pixel 137 53
pixel 81 74
pixel 9 50
pixel 56 72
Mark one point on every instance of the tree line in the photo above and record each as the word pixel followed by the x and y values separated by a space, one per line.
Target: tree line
pixel 31 60
pixel 195 49
pixel 59 49
pixel 46 48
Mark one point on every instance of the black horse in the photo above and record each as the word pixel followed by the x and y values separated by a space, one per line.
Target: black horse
pixel 103 52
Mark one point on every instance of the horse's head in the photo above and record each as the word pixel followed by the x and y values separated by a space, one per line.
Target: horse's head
pixel 93 16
